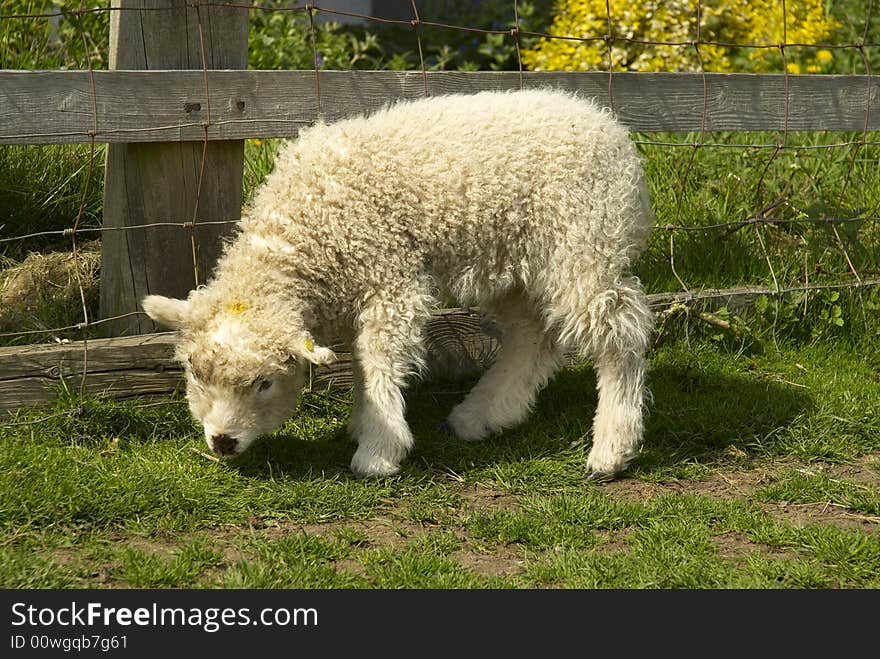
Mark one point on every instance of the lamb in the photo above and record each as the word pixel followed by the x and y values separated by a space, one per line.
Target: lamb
pixel 530 205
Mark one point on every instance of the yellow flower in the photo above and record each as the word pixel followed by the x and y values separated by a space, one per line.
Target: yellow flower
pixel 645 31
pixel 793 67
pixel 813 68
pixel 256 142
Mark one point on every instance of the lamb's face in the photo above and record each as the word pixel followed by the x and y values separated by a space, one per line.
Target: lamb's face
pixel 244 374
pixel 233 414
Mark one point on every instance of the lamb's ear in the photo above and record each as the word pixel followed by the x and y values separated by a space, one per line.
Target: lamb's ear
pixel 318 355
pixel 165 310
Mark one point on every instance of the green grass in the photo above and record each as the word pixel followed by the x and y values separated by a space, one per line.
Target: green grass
pixel 755 474
pixel 41 189
pixel 807 487
pixel 808 181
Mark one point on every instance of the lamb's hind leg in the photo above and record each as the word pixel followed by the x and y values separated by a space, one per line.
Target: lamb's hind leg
pixel 504 396
pixel 620 327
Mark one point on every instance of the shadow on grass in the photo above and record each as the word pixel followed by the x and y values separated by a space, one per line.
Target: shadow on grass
pixel 711 417
pixel 697 415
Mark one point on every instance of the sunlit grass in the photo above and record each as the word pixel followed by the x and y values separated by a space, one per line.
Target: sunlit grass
pixel 112 494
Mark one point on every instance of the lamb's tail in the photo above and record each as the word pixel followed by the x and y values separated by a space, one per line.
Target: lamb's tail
pixel 616 319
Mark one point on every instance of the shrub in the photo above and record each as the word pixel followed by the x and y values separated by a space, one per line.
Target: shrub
pixel 54 41
pixel 283 40
pixel 656 25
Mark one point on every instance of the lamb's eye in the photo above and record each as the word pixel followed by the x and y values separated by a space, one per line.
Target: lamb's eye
pixel 264 385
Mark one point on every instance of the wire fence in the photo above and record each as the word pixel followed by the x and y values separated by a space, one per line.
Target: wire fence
pixel 809 235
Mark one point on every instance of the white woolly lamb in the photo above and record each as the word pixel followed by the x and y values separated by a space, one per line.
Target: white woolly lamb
pixel 531 205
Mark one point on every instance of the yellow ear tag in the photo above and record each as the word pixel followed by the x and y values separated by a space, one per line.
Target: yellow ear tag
pixel 309 344
pixel 237 307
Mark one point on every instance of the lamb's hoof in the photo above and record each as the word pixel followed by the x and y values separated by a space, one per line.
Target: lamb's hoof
pixel 605 465
pixel 466 427
pixel 601 476
pixel 446 428
pixel 368 465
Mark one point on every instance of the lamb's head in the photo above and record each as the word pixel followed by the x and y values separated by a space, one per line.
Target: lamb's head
pixel 245 366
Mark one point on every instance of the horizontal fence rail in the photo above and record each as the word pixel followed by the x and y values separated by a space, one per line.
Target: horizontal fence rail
pixel 459 341
pixel 55 107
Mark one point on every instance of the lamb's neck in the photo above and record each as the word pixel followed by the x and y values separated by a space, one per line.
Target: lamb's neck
pixel 298 261
pixel 257 270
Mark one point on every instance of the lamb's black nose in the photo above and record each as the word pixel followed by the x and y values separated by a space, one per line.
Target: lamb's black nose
pixel 223 444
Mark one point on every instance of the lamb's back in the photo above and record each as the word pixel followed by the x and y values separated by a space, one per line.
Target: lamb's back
pixel 492 177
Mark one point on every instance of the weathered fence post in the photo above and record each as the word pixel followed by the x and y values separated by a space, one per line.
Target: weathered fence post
pixel 159 182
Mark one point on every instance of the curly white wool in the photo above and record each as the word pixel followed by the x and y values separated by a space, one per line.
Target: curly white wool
pixel 530 204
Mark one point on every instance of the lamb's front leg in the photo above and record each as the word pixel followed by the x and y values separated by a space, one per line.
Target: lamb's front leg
pixel 378 422
pixel 383 357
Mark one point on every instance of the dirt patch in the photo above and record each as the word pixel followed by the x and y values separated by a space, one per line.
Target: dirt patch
pixel 481 498
pixel 614 541
pixel 735 548
pixel 87 573
pixel 379 532
pixel 864 471
pixel 503 561
pixel 742 484
pixel 349 565
pixel 635 491
pixel 159 546
pixel 861 473
pixel 733 545
pixel 733 484
pixel 806 514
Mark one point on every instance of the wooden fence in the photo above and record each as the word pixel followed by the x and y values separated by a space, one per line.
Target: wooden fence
pixel 176 106
pixel 52 107
pixel 459 342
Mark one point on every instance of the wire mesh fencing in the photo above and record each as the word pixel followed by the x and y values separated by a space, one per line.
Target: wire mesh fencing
pixel 775 210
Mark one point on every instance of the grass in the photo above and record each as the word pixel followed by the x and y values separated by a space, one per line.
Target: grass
pixel 755 474
pixel 805 183
pixel 41 188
